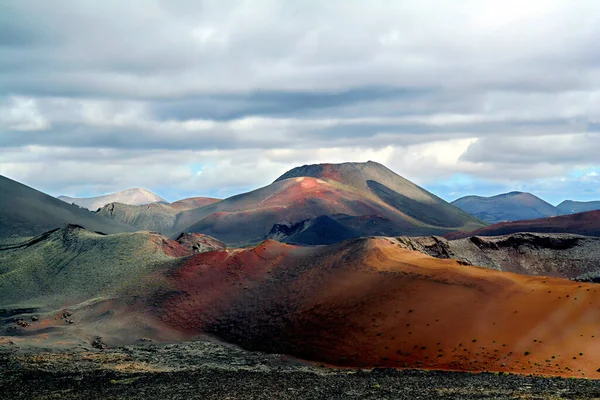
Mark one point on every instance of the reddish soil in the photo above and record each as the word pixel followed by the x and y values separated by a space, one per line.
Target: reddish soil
pixel 368 302
pixel 193 202
pixel 304 189
pixel 585 223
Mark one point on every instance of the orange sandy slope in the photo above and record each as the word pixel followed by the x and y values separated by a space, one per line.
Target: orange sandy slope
pixel 369 302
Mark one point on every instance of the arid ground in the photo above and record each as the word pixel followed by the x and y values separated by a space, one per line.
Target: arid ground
pixel 212 370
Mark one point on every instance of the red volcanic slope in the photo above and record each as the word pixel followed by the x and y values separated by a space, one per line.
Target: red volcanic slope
pixel 307 192
pixel 193 202
pixel 250 216
pixel 369 302
pixel 585 223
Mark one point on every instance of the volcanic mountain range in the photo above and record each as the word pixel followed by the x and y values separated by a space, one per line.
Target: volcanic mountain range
pixel 316 204
pixel 365 297
pixel 352 199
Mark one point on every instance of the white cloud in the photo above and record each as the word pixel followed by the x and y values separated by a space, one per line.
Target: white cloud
pixel 21 114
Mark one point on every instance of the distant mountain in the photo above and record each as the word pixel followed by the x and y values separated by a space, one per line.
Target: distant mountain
pixel 134 197
pixel 27 212
pixel 156 217
pixel 386 203
pixel 513 206
pixel 314 204
pixel 573 207
pixel 585 223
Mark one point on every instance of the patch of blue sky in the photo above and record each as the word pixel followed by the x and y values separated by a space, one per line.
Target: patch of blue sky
pixel 196 168
pixel 586 171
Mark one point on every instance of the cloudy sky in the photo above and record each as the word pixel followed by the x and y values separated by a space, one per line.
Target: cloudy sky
pixel 216 97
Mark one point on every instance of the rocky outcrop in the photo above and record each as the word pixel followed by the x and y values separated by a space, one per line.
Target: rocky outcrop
pixel 198 243
pixel 563 255
pixel 281 232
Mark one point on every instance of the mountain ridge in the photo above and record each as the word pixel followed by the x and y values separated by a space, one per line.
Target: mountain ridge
pixel 574 207
pixel 134 196
pixel 511 206
pixel 27 212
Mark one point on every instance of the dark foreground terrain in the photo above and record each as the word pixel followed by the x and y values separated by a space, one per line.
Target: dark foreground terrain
pixel 209 370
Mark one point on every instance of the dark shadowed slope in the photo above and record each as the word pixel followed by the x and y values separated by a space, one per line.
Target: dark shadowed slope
pixel 586 223
pixel 511 206
pixel 367 190
pixel 574 207
pixel 27 212
pixel 328 229
pixel 131 196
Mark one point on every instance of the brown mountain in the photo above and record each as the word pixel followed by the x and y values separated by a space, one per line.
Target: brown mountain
pixel 359 199
pixel 157 217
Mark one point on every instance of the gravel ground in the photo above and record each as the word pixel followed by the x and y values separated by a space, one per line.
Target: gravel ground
pixel 210 370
